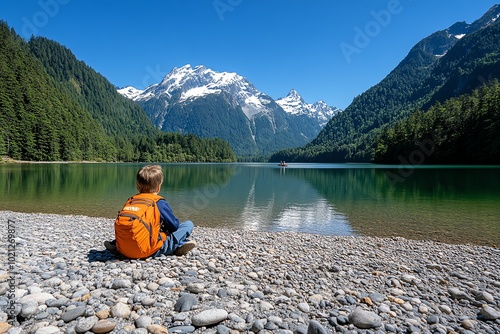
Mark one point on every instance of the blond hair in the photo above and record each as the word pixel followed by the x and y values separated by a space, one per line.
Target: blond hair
pixel 149 178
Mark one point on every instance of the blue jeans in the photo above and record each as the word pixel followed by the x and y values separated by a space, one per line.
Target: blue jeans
pixel 176 239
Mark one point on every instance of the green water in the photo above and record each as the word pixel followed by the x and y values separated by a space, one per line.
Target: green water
pixel 442 203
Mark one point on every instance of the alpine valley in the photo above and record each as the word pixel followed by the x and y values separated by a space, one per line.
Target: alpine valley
pixel 441 104
pixel 452 65
pixel 226 105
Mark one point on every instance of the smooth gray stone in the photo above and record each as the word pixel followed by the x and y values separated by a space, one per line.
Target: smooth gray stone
pixel 258 325
pixel 364 319
pixel 489 313
pixel 316 328
pixel 182 329
pixel 143 321
pixel 458 294
pixel 221 329
pixel 209 317
pixel 85 324
pixel 185 302
pixel 29 308
pixel 121 283
pixel 57 302
pixel 73 314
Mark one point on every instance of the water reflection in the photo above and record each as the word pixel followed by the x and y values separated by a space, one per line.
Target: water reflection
pixel 445 204
pixel 318 217
pixel 286 203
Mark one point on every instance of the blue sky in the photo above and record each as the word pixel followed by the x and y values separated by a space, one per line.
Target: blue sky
pixel 331 50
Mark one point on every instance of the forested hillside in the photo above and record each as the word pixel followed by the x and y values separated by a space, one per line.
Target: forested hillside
pixel 463 130
pixel 437 68
pixel 119 116
pixel 54 107
pixel 38 121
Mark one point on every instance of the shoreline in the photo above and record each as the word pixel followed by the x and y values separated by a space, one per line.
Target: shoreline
pixel 8 160
pixel 241 281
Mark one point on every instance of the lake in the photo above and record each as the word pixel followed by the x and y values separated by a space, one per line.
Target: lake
pixel 454 204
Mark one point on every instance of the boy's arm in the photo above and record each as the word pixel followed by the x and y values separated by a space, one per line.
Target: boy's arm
pixel 169 221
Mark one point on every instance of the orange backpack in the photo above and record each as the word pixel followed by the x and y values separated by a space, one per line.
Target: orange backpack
pixel 137 227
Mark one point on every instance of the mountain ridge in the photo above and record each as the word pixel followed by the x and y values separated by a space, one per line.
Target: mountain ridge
pixel 415 82
pixel 293 103
pixel 265 127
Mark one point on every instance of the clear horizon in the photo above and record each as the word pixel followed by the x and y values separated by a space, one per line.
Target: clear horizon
pixel 325 50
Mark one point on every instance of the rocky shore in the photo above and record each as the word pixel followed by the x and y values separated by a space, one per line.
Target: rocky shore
pixel 61 280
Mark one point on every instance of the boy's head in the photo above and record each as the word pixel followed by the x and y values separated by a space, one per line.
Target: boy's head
pixel 149 179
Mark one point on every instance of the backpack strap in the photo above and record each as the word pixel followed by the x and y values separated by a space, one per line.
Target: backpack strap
pixel 132 217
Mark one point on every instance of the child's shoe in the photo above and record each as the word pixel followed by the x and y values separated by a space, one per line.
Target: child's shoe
pixel 111 247
pixel 185 248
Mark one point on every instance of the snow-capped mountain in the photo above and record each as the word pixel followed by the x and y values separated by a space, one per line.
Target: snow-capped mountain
pixel 294 104
pixel 200 81
pixel 226 105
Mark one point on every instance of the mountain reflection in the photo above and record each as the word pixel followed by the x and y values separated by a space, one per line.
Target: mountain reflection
pixel 285 203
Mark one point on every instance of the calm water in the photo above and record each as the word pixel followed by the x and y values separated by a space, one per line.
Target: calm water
pixel 457 205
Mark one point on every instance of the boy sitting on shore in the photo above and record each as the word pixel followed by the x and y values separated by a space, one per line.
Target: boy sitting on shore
pixel 146 226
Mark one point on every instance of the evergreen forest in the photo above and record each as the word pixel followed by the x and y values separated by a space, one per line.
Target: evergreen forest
pixel 463 130
pixel 438 68
pixel 54 107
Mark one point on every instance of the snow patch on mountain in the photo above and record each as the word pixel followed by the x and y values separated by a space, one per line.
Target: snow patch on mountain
pixel 294 104
pixel 197 92
pixel 130 92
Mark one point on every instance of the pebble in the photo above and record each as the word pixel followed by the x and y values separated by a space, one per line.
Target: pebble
pixel 468 323
pixel 304 307
pixel 432 319
pixel 121 284
pixel 73 314
pixel 57 302
pixel 157 329
pixel 103 326
pixel 120 310
pixel 364 319
pixel 48 330
pixel 423 309
pixel 143 321
pixel 489 313
pixel 148 301
pixel 85 324
pixel 445 309
pixel 185 302
pixel 238 281
pixel 28 308
pixel 484 296
pixel 40 297
pixel 80 293
pixel 195 287
pixel 316 328
pixel 181 329
pixel 456 293
pixel 4 327
pixel 209 317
